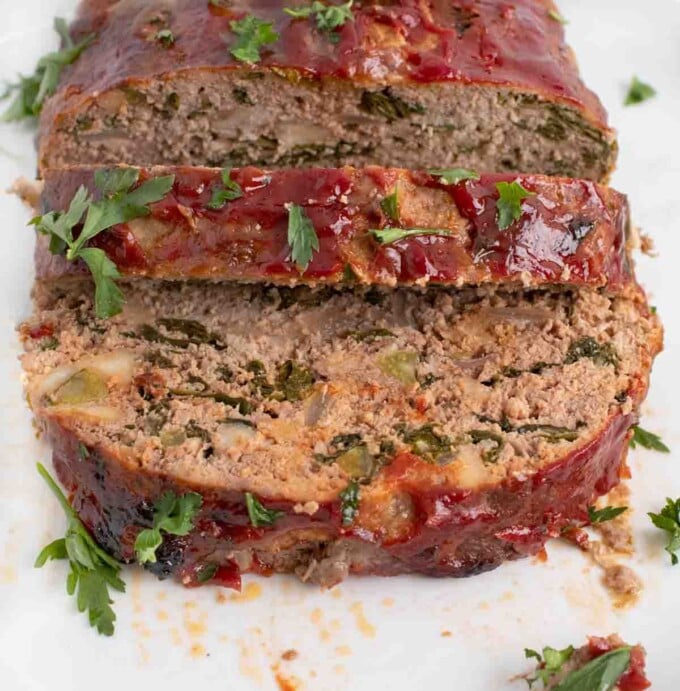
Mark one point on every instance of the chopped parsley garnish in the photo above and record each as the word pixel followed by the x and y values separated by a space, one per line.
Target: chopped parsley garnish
pixel 349 502
pixel 452 176
pixel 171 514
pixel 165 37
pixel 93 571
pixel 302 237
pixel 600 674
pixel 258 514
pixel 252 34
pixel 390 206
pixel 119 203
pixel 647 440
pixel 387 236
pixel 229 191
pixel 550 663
pixel 33 90
pixel 669 520
pixel 588 347
pixel 605 514
pixel 555 15
pixel 427 443
pixel 328 17
pixel 509 204
pixel 638 92
pixel 206 572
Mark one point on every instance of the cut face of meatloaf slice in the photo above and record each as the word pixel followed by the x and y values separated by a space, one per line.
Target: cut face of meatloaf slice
pixel 476 84
pixel 439 432
pixel 376 226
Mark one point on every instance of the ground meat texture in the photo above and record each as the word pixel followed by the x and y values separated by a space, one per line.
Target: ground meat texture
pixel 405 83
pixel 378 424
pixel 571 232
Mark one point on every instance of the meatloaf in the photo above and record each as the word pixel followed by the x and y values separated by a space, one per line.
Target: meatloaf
pixel 477 83
pixel 572 232
pixel 438 432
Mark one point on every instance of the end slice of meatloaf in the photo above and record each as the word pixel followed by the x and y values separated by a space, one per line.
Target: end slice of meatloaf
pixel 439 432
pixel 375 226
pixel 478 84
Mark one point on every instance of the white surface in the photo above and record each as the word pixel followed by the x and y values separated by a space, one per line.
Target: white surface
pixel 187 639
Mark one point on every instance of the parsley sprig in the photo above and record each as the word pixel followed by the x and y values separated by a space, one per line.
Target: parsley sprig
pixel 509 204
pixel 549 664
pixel 668 519
pixel 93 571
pixel 452 176
pixel 387 236
pixel 647 440
pixel 33 90
pixel 599 674
pixel 606 514
pixel 302 237
pixel 229 191
pixel 390 206
pixel 119 203
pixel 328 17
pixel 252 34
pixel 171 514
pixel 258 514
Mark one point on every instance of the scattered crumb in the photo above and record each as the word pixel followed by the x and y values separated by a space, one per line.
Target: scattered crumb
pixel 335 624
pixel 143 653
pixel 336 593
pixel 325 635
pixel 343 650
pixel 360 618
pixel 484 605
pixel 624 584
pixel 388 602
pixel 197 650
pixel 221 597
pixel 8 574
pixel 446 634
pixel 174 635
pixel 316 616
pixel 339 669
pixel 162 615
pixel 289 655
pixel 250 592
pixel 162 595
pixel 647 245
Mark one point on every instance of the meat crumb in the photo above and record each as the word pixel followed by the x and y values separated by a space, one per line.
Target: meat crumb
pixel 289 655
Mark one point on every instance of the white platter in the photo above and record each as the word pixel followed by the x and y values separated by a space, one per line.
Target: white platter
pixel 367 633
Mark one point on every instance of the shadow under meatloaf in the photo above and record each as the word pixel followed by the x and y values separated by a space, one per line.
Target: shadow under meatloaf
pixel 572 232
pixel 439 432
pixel 403 83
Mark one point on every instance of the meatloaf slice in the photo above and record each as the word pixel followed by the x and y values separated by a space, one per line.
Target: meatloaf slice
pixel 438 432
pixel 479 83
pixel 571 232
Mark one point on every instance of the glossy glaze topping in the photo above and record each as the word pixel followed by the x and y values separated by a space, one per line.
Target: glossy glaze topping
pixel 569 231
pixel 517 44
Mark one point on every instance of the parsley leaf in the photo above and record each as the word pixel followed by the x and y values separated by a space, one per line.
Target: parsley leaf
pixel 165 37
pixel 452 176
pixel 252 34
pixel 302 237
pixel 93 571
pixel 638 92
pixel 390 206
pixel 600 674
pixel 328 17
pixel 509 204
pixel 669 520
pixel 33 90
pixel 349 502
pixel 119 204
pixel 605 514
pixel 386 236
pixel 550 663
pixel 647 440
pixel 258 514
pixel 556 16
pixel 173 515
pixel 229 191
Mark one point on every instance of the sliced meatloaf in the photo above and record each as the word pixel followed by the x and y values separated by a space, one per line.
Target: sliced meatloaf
pixel 476 83
pixel 438 432
pixel 376 226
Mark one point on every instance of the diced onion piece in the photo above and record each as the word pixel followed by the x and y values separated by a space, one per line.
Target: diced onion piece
pixel 401 365
pixel 171 438
pixel 230 434
pixel 357 462
pixel 85 386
